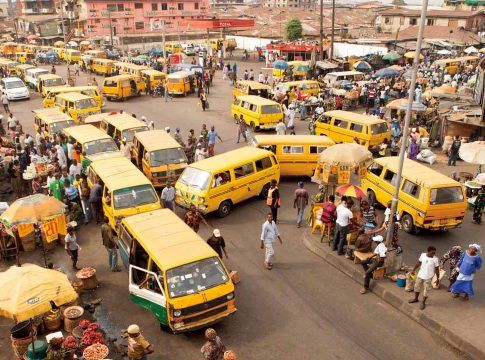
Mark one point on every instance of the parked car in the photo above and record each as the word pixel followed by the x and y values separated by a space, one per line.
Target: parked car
pixel 14 88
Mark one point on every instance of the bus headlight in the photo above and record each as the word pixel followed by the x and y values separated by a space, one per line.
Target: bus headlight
pixel 230 296
pixel 177 313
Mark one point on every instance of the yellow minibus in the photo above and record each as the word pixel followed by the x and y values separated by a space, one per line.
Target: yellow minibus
pixel 122 126
pixel 247 87
pixel 51 121
pixel 92 91
pixel 95 143
pixel 77 105
pixel 258 113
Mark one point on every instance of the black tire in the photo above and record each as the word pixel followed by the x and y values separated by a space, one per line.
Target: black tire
pixel 408 223
pixel 264 192
pixel 371 195
pixel 224 208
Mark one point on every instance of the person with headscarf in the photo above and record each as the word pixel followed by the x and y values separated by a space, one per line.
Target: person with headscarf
pixel 413 149
pixel 61 156
pixel 470 261
pixel 452 256
pixel 213 349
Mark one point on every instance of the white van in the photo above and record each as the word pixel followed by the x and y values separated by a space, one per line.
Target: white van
pixel 14 88
pixel 333 77
pixel 32 76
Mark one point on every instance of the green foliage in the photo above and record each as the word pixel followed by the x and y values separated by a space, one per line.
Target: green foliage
pixel 293 29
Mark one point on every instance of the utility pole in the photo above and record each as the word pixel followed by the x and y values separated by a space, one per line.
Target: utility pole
pixel 321 29
pixel 333 29
pixel 407 120
pixel 110 28
pixel 163 39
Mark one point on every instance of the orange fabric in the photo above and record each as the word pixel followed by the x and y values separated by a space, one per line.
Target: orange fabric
pixel 269 200
pixel 25 229
pixel 61 224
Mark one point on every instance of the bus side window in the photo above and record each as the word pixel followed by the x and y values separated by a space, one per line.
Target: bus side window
pixel 264 163
pixel 317 149
pixel 375 168
pixel 356 127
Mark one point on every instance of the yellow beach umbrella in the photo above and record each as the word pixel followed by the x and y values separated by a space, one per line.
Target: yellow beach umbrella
pixel 396 104
pixel 59 43
pixel 32 209
pixel 482 50
pixel 28 290
pixel 412 54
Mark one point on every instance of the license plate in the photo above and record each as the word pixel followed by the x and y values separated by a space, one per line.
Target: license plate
pixel 443 221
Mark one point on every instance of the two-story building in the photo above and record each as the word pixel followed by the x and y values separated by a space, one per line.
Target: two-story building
pixel 471 5
pixel 398 19
pixel 140 16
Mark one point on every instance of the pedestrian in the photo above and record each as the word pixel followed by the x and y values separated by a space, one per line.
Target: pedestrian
pixel 61 156
pixel 273 200
pixel 213 349
pixel 110 244
pixel 452 256
pixel 212 135
pixel 125 149
pixel 469 263
pixel 454 149
pixel 53 70
pixel 269 234
pixel 95 200
pixel 375 261
pixel 241 129
pixel 138 346
pixel 300 202
pixel 76 69
pixel 216 242
pixel 178 137
pixel 344 218
pixel 203 100
pixel 201 152
pixel 168 196
pixel 328 215
pixel 280 128
pixel 193 218
pixel 75 169
pixel 5 103
pixel 166 93
pixel 413 149
pixel 429 266
pixel 478 206
pixel 55 188
pixel 71 246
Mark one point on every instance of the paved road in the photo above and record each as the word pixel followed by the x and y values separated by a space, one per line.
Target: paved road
pixel 302 308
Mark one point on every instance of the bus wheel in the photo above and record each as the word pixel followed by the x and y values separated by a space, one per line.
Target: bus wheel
pixel 371 195
pixel 407 223
pixel 264 192
pixel 224 208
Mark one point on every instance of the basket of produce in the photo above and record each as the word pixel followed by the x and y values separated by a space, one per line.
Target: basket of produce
pixel 72 317
pixel 52 320
pixel 88 277
pixel 96 352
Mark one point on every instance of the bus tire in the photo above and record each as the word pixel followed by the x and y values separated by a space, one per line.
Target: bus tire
pixel 264 192
pixel 408 223
pixel 371 195
pixel 224 208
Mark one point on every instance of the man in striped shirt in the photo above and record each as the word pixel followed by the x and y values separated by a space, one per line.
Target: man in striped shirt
pixel 269 234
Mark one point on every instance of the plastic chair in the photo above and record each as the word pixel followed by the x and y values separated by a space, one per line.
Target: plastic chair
pixel 316 222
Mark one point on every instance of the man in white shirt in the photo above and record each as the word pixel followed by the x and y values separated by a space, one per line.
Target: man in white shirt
pixel 344 217
pixel 428 264
pixel 168 197
pixel 75 168
pixel 375 261
pixel 261 77
pixel 269 234
pixel 125 149
pixel 281 128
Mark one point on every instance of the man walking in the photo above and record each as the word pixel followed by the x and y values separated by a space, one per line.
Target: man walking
pixel 375 261
pixel 273 200
pixel 300 202
pixel 5 103
pixel 212 135
pixel 269 233
pixel 344 217
pixel 241 129
pixel 71 246
pixel 110 244
pixel 193 218
pixel 428 264
pixel 454 149
pixel 168 197
pixel 138 346
pixel 216 242
pixel 95 197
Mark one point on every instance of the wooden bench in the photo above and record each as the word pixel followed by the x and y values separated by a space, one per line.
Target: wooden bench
pixel 379 273
pixel 361 256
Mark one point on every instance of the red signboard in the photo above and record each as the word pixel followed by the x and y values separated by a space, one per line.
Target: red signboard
pixel 290 47
pixel 217 23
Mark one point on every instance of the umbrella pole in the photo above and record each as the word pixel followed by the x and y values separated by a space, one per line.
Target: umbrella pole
pixel 33 340
pixel 43 250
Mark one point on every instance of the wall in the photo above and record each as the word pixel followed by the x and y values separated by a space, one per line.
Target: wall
pixel 249 43
pixel 346 49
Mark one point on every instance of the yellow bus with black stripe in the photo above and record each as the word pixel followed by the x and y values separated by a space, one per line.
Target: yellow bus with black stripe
pixel 427 198
pixel 222 181
pixel 296 154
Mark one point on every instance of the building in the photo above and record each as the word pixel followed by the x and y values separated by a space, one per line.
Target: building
pixel 225 3
pixel 448 34
pixel 139 17
pixel 471 5
pixel 302 4
pixel 36 7
pixel 398 19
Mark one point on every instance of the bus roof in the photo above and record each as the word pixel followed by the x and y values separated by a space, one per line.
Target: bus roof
pixel 51 115
pixel 156 140
pixel 413 170
pixel 25 66
pixel 357 118
pixel 167 239
pixel 257 100
pixel 152 72
pixel 67 88
pixel 85 133
pixel 124 121
pixel 298 82
pixel 49 76
pixel 338 73
pixel 73 96
pixel 180 74
pixel 294 139
pixel 243 154
pixel 254 85
pixel 118 173
pixel 37 70
pixel 119 77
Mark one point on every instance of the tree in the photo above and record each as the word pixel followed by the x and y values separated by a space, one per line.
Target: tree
pixel 293 29
pixel 398 3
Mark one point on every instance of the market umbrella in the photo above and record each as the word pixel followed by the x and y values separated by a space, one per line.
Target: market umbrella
pixel 412 54
pixel 387 72
pixel 351 190
pixel 281 65
pixel 28 290
pixel 301 68
pixel 473 153
pixel 349 153
pixel 482 50
pixel 85 42
pixel 32 209
pixel 470 50
pixel 72 43
pixel 59 43
pixel 444 52
pixel 362 66
pixel 391 56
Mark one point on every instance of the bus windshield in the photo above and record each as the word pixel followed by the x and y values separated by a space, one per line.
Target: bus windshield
pixel 167 157
pixel 195 177
pixel 129 134
pixel 379 128
pixel 448 195
pixel 270 109
pixel 58 126
pixel 86 104
pixel 195 277
pixel 54 82
pixel 100 146
pixel 134 196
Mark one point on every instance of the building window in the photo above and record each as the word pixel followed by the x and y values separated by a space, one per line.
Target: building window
pixel 180 6
pixel 430 22
pixel 196 6
pixel 97 21
pixel 387 20
pixel 154 7
pixel 111 7
pixel 139 25
pixel 413 21
pixel 121 7
pixel 138 5
pixel 164 6
pixel 401 20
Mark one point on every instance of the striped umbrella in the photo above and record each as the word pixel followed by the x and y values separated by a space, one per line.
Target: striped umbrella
pixel 351 190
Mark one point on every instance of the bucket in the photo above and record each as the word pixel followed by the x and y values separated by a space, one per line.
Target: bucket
pixel 28 242
pixel 21 330
pixel 401 280
pixel 40 350
pixel 20 345
pixel 90 283
pixel 72 317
